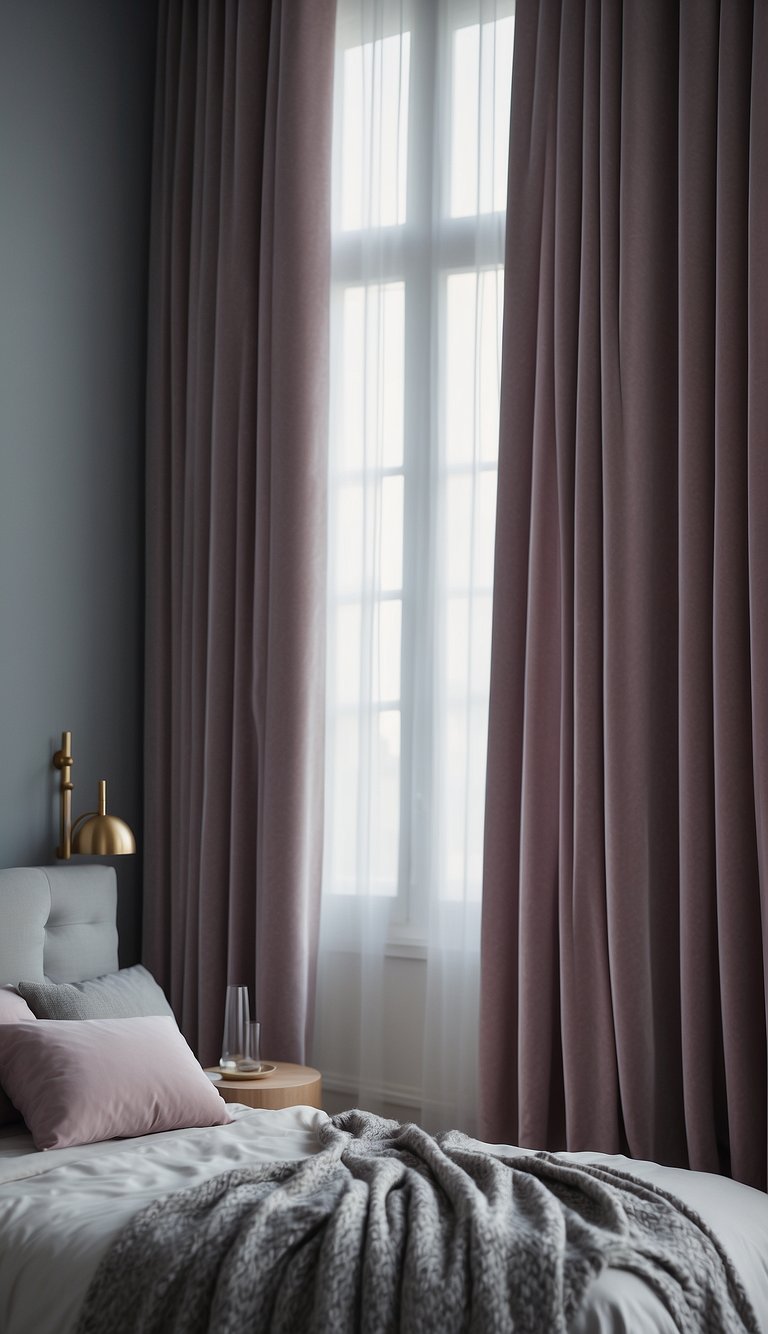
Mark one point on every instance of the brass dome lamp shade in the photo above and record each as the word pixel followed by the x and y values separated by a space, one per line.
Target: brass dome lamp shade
pixel 94 834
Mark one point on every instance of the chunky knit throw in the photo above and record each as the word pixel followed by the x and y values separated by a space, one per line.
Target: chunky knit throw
pixel 389 1229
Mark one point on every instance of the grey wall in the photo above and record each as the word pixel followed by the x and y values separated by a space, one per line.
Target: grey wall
pixel 76 85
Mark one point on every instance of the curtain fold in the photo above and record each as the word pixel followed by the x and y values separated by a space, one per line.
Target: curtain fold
pixel 623 993
pixel 236 465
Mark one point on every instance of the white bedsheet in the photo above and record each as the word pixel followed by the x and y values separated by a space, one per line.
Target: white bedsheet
pixel 60 1210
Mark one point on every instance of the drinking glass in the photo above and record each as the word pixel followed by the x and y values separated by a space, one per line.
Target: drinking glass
pixel 236 1020
pixel 252 1059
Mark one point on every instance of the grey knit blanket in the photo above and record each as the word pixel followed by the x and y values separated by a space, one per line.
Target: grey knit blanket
pixel 389 1229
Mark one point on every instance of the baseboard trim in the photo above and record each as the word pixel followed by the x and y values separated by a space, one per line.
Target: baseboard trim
pixel 402 1094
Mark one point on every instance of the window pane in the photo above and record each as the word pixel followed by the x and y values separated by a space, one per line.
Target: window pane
pixel 482 621
pixel 456 645
pixel 347 446
pixel 369 387
pixel 473 319
pixel 385 803
pixel 460 857
pixel 469 531
pixel 392 534
pixel 374 148
pixel 467 645
pixel 346 664
pixel 485 529
pixel 490 295
pixel 364 803
pixel 457 531
pixel 464 121
pixel 385 363
pixel 481 81
pixel 347 512
pixel 343 854
pixel 368 541
pixel 386 652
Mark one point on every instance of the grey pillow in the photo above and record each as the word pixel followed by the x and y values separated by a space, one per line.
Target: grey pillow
pixel 129 994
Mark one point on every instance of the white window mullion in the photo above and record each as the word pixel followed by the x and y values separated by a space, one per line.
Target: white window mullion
pixel 418 640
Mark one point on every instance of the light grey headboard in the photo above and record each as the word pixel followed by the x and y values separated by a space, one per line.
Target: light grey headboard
pixel 57 922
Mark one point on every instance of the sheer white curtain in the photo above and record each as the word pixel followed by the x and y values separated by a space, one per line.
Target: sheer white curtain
pixel 421 129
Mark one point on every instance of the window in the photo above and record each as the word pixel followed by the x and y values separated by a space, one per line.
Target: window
pixel 420 155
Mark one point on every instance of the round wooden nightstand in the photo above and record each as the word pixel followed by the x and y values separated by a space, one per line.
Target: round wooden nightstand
pixel 289 1086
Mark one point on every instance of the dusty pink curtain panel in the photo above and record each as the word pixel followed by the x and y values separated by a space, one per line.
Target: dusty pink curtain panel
pixel 626 866
pixel 236 467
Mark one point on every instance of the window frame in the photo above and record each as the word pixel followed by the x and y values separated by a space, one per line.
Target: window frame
pixel 421 252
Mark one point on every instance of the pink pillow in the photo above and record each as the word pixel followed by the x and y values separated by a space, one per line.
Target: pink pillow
pixel 13 1009
pixel 76 1081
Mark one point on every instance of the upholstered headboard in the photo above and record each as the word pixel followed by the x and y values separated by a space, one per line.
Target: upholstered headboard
pixel 57 922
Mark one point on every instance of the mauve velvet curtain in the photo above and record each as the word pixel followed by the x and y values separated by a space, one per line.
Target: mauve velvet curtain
pixel 626 866
pixel 236 505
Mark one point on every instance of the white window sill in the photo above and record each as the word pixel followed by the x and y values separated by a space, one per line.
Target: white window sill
pixel 405 947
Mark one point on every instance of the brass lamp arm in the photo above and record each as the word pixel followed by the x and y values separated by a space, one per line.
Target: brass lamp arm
pixel 63 761
pixel 99 834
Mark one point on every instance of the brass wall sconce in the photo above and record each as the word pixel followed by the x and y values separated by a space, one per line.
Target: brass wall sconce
pixel 94 834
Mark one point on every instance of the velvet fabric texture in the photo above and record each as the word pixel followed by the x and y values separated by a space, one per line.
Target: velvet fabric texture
pixel 236 511
pixel 624 937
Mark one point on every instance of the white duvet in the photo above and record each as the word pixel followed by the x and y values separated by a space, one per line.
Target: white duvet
pixel 60 1210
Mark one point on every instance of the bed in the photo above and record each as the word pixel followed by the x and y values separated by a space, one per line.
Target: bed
pixel 61 1210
